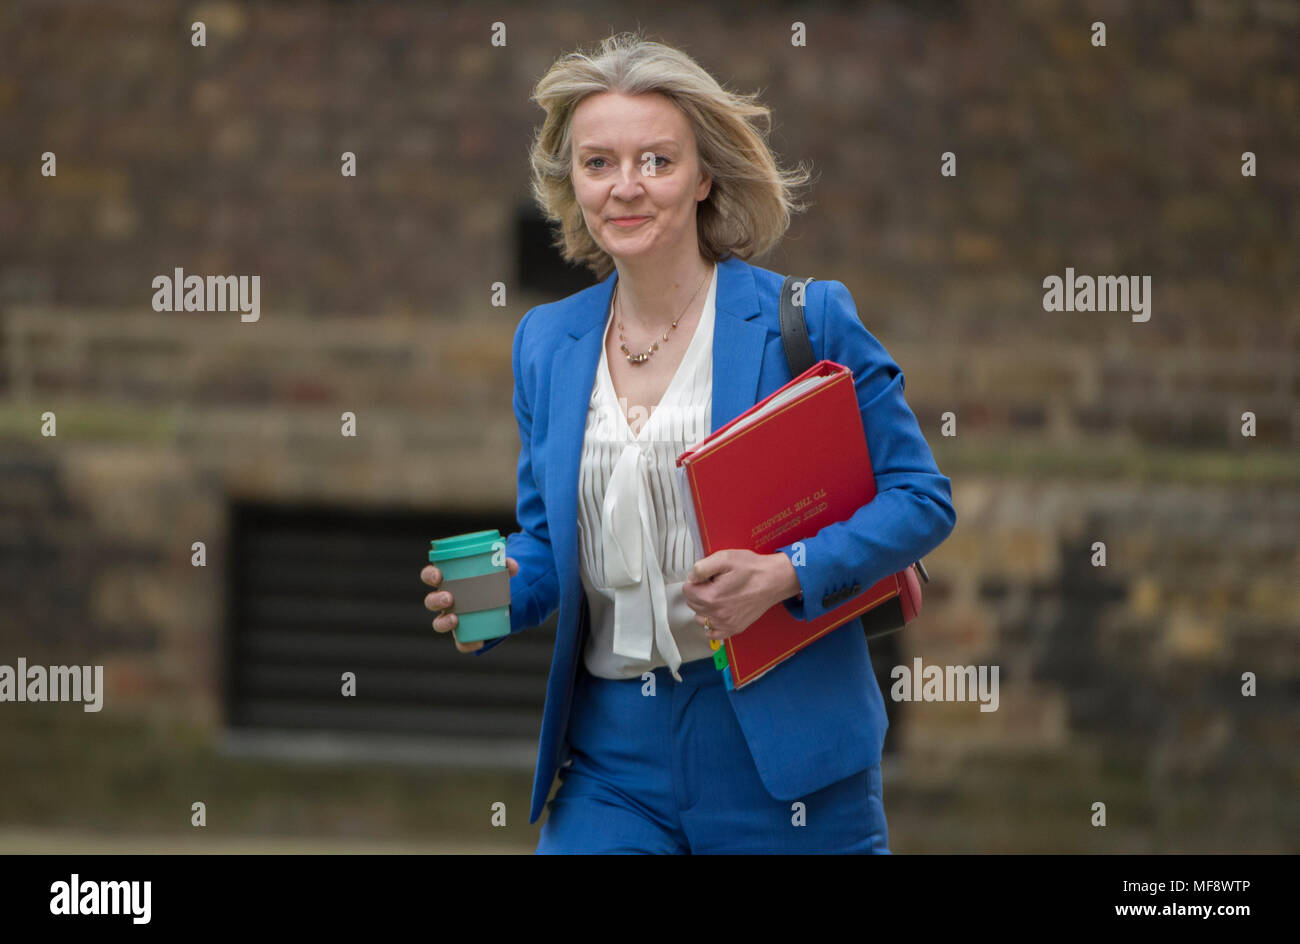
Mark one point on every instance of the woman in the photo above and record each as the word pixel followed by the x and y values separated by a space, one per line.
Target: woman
pixel 662 182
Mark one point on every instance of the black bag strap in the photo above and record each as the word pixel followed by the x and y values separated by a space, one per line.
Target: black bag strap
pixel 799 353
pixel 794 330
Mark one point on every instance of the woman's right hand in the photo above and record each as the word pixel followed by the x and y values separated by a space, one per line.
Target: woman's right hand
pixel 441 600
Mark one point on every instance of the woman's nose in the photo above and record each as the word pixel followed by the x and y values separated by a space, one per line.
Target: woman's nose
pixel 628 182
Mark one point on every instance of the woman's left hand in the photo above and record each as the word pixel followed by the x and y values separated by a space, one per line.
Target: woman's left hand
pixel 731 588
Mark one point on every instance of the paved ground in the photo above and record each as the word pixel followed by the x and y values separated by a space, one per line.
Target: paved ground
pixel 58 842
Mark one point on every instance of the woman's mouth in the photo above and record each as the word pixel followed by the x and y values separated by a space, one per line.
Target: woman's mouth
pixel 628 222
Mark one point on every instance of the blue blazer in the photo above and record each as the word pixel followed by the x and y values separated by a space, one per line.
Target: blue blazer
pixel 819 716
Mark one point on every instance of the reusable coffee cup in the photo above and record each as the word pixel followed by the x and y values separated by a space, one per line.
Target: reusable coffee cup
pixel 480 590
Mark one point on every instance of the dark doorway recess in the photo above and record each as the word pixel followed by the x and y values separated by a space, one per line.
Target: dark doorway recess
pixel 317 591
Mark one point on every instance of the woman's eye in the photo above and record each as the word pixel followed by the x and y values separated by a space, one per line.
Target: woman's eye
pixel 591 162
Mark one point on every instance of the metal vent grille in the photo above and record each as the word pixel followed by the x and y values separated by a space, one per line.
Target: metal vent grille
pixel 316 592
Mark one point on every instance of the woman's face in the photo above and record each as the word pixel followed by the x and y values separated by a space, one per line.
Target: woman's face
pixel 636 173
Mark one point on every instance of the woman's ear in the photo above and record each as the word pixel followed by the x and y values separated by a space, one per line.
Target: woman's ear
pixel 705 186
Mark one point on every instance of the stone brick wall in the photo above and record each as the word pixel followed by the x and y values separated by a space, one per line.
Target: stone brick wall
pixel 1071 427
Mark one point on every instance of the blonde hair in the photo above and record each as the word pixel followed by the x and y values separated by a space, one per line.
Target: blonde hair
pixel 751 199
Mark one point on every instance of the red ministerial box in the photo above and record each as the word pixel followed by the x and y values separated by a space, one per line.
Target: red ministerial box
pixel 784 469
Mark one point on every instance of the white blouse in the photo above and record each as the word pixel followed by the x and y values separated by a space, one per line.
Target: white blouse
pixel 636 547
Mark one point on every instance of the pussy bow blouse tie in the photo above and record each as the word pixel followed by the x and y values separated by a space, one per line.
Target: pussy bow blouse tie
pixel 630 540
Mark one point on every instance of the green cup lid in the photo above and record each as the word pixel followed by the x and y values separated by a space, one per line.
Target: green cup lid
pixel 464 545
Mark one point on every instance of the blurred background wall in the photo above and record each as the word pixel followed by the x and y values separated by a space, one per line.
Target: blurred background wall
pixel 1120 684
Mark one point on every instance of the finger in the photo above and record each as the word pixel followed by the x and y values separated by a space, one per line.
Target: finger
pixel 512 566
pixel 706 568
pixel 438 600
pixel 431 575
pixel 446 622
pixel 469 646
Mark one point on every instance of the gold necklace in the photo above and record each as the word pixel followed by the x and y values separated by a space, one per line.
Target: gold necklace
pixel 641 358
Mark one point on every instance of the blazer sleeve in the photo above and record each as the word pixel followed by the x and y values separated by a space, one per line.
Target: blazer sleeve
pixel 912 512
pixel 535 590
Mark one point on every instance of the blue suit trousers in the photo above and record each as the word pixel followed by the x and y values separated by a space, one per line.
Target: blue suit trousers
pixel 671 773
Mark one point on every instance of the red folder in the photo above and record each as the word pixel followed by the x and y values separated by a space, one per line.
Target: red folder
pixel 776 474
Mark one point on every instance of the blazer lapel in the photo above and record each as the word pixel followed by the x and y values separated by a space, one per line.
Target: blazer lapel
pixel 738 342
pixel 738 346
